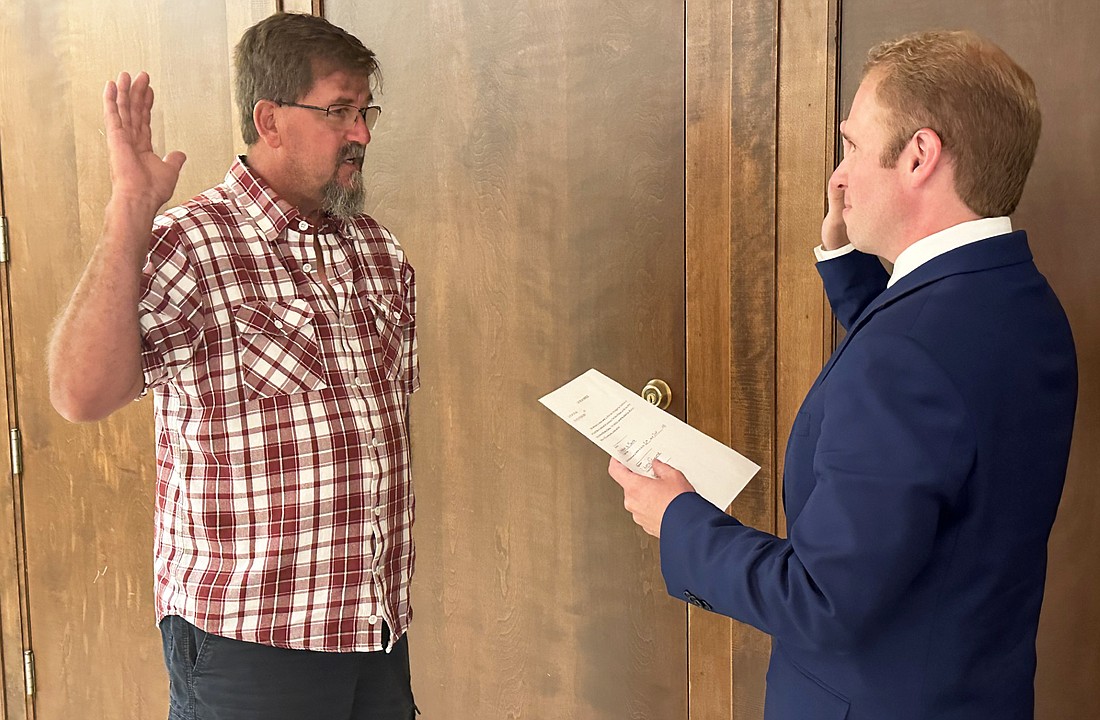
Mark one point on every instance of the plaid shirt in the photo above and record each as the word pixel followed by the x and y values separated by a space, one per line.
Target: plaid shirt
pixel 284 500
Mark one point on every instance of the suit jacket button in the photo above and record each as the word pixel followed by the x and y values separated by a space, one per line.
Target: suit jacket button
pixel 697 602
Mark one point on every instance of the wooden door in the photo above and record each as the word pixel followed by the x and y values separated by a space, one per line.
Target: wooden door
pixel 13 628
pixel 530 157
pixel 1055 41
pixel 87 490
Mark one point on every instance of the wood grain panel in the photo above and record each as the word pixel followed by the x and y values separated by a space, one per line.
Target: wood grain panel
pixel 805 146
pixel 13 611
pixel 1060 213
pixel 731 149
pixel 754 286
pixel 708 185
pixel 88 489
pixel 530 159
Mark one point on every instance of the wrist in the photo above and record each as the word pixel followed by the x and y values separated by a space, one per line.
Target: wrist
pixel 127 223
pixel 133 207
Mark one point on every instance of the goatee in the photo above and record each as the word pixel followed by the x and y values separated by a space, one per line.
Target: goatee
pixel 345 202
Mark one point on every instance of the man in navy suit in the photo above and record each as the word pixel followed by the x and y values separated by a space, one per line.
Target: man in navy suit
pixel 925 466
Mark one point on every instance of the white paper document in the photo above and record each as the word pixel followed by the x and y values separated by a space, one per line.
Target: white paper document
pixel 635 433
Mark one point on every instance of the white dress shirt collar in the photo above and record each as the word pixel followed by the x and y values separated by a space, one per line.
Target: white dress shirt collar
pixel 953 237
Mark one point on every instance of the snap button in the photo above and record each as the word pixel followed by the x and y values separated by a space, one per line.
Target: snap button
pixel 303 225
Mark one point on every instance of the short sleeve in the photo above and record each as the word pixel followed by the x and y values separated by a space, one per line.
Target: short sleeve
pixel 410 358
pixel 170 310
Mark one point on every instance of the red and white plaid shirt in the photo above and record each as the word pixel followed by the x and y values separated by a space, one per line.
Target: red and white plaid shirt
pixel 284 500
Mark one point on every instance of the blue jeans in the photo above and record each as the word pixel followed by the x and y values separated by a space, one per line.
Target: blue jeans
pixel 217 678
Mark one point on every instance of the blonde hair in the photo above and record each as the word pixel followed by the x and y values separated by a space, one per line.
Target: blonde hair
pixel 975 97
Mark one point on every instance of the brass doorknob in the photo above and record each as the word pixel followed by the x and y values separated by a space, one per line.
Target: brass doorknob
pixel 657 392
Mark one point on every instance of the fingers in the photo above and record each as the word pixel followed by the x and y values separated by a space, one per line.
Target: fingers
pixel 835 195
pixel 671 477
pixel 111 119
pixel 122 100
pixel 175 159
pixel 619 473
pixel 131 101
pixel 834 231
pixel 663 469
pixel 141 105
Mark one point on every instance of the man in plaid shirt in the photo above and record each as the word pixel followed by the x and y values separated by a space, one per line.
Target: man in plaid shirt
pixel 274 324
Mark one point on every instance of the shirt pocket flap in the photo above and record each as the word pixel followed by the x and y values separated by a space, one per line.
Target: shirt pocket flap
pixel 278 352
pixel 274 319
pixel 390 309
pixel 393 323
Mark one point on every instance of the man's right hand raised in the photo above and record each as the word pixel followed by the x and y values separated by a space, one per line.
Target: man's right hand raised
pixel 139 177
pixel 95 348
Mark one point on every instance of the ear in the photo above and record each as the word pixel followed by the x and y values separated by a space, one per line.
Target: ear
pixel 922 156
pixel 266 120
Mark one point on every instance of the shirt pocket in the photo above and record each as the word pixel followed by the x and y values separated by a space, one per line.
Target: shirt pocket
pixel 392 322
pixel 278 349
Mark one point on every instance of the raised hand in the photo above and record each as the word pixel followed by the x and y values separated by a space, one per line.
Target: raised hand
pixel 834 233
pixel 138 175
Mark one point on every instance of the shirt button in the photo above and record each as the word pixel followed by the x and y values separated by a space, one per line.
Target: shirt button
pixel 396 314
pixel 378 512
pixel 307 267
pixel 278 323
pixel 376 442
pixel 372 619
pixel 358 380
pixel 303 225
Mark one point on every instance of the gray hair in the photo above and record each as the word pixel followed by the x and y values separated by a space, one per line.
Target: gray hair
pixel 276 59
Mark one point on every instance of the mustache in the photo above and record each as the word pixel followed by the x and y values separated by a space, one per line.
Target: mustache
pixel 352 151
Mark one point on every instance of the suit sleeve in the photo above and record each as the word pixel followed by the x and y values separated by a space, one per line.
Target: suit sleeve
pixel 895 448
pixel 852 281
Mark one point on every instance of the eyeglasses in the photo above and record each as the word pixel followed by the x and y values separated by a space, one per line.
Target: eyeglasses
pixel 343 115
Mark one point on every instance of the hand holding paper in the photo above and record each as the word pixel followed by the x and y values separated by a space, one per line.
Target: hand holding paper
pixel 634 432
pixel 647 498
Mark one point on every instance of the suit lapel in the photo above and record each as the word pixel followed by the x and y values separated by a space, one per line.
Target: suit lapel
pixel 987 254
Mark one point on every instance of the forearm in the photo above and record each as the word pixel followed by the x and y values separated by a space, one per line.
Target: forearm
pixel 851 283
pixel 95 351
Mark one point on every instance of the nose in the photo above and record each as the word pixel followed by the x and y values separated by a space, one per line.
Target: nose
pixel 839 179
pixel 359 132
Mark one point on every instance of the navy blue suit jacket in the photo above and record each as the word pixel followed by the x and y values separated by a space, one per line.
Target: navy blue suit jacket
pixel 921 481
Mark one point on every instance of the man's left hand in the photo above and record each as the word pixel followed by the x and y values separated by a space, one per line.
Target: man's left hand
pixel 647 498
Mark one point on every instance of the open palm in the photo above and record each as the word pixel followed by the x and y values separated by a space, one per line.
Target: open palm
pixel 137 173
